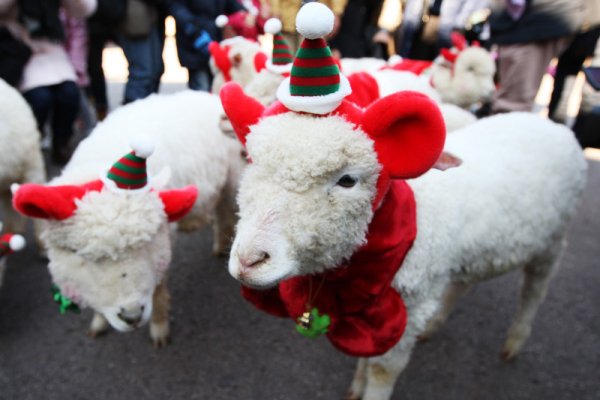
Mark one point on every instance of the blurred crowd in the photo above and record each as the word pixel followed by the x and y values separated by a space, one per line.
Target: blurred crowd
pixel 51 50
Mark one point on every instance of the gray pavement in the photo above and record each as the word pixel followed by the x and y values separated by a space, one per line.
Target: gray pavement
pixel 222 348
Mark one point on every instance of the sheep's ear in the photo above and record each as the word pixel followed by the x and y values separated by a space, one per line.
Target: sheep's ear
pixel 365 89
pixel 221 58
pixel 458 40
pixel 260 61
pixel 50 202
pixel 408 131
pixel 446 161
pixel 243 111
pixel 178 202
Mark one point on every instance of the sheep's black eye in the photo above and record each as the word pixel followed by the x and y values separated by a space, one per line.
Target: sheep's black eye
pixel 346 181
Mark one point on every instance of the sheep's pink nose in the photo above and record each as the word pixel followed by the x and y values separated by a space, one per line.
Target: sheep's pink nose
pixel 254 260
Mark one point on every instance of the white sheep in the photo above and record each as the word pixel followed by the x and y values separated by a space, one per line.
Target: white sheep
pixel 462 75
pixel 21 159
pixel 319 219
pixel 109 249
pixel 9 243
pixel 235 59
pixel 332 235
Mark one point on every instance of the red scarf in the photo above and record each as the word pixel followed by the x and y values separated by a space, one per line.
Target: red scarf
pixel 367 314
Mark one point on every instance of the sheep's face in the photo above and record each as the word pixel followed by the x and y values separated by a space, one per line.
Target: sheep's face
pixel 111 254
pixel 305 200
pixel 237 56
pixel 473 81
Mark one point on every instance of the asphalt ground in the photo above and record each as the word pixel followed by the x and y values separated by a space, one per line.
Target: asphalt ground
pixel 222 348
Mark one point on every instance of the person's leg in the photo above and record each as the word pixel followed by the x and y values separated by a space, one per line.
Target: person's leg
pixel 199 79
pixel 66 107
pixel 521 69
pixel 158 44
pixel 97 88
pixel 569 63
pixel 40 101
pixel 142 57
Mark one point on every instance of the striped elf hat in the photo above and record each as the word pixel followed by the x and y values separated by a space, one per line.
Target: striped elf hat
pixel 129 173
pixel 282 57
pixel 10 243
pixel 316 85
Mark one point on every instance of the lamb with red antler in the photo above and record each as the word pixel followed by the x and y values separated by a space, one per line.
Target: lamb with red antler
pixel 343 230
pixel 234 59
pixel 107 215
pixel 462 75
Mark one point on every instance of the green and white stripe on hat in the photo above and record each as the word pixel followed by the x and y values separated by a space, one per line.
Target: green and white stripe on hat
pixel 129 172
pixel 315 85
pixel 282 57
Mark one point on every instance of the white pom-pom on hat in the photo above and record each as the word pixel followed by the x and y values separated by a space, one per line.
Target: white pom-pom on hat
pixel 17 242
pixel 221 21
pixel 14 187
pixel 273 26
pixel 142 146
pixel 314 20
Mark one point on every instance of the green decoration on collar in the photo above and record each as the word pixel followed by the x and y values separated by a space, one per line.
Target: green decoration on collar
pixel 312 325
pixel 64 303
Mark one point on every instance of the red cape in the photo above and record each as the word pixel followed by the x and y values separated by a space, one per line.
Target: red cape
pixel 367 314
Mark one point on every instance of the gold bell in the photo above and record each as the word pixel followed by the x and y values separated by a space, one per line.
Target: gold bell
pixel 305 319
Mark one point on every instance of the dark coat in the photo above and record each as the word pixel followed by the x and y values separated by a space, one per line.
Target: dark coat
pixel 542 20
pixel 192 17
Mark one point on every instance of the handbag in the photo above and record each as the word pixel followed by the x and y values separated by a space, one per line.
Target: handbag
pixel 430 25
pixel 140 17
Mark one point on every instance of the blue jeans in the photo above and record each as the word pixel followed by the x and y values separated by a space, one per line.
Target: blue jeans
pixel 199 79
pixel 145 64
pixel 63 101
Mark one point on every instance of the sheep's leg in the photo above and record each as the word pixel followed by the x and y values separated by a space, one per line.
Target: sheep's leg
pixel 159 322
pixel 357 387
pixel 98 326
pixel 225 219
pixel 35 172
pixel 535 285
pixel 383 371
pixel 453 292
pixel 12 221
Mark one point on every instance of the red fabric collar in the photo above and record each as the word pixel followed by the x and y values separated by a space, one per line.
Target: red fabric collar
pixel 368 316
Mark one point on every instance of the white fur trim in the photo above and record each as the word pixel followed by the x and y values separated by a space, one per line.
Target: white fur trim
pixel 221 21
pixel 273 26
pixel 394 59
pixel 232 41
pixel 17 242
pixel 142 146
pixel 278 69
pixel 1 226
pixel 314 20
pixel 313 104
pixel 14 187
pixel 112 186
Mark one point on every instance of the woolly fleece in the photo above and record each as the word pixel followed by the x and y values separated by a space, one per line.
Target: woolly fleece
pixel 21 159
pixel 115 248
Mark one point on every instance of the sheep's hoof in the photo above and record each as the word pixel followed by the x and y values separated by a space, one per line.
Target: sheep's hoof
pixel 159 333
pixel 423 338
pixel 508 355
pixel 350 395
pixel 95 334
pixel 159 343
pixel 220 252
